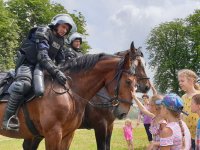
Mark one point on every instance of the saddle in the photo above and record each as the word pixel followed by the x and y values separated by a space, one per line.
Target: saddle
pixel 6 79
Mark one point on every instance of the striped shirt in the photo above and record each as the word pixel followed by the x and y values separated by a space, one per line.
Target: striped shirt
pixel 175 141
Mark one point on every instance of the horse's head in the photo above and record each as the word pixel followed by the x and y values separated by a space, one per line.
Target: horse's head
pixel 121 85
pixel 130 73
pixel 137 58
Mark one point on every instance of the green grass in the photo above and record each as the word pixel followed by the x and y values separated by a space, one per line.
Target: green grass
pixel 85 140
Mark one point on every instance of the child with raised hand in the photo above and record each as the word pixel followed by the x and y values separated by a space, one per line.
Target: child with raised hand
pixel 146 118
pixel 175 135
pixel 188 83
pixel 157 123
pixel 128 134
pixel 195 108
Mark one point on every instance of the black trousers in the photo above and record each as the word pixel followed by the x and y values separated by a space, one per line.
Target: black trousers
pixel 193 144
pixel 149 135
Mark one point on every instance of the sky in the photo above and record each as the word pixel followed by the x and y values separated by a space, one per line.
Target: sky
pixel 113 24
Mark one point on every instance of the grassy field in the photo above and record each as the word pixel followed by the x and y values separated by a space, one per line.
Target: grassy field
pixel 85 140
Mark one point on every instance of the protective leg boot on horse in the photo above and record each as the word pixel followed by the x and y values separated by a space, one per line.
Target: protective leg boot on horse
pixel 17 90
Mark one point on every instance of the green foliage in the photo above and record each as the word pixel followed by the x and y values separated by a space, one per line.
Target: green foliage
pixel 173 46
pixel 30 13
pixel 81 25
pixel 193 24
pixel 8 38
pixel 19 16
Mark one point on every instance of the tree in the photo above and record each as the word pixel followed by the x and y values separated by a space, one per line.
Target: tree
pixel 19 16
pixel 193 27
pixel 173 46
pixel 81 24
pixel 8 38
pixel 30 13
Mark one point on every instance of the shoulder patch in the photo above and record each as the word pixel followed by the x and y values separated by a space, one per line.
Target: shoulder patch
pixel 56 45
pixel 42 32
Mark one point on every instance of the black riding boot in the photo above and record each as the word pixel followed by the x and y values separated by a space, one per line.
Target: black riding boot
pixel 10 121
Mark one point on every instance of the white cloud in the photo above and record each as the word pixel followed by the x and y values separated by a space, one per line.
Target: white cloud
pixel 113 24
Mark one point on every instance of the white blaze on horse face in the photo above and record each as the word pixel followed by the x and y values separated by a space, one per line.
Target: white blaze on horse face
pixel 143 63
pixel 135 62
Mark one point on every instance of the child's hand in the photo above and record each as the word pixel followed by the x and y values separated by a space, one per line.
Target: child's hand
pixel 134 93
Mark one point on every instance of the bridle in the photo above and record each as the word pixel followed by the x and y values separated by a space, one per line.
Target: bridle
pixel 115 100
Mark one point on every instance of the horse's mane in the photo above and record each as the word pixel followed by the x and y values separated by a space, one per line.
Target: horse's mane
pixel 121 53
pixel 84 62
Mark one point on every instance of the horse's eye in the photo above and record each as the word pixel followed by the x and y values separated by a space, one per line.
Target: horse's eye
pixel 128 82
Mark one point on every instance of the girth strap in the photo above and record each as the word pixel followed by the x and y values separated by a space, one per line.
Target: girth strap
pixel 29 122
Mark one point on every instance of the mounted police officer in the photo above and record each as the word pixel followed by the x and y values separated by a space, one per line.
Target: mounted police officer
pixel 74 49
pixel 44 45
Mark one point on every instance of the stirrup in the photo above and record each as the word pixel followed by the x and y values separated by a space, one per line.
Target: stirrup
pixel 13 120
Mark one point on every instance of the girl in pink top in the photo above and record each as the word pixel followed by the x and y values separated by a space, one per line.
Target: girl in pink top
pixel 128 134
pixel 175 135
pixel 158 122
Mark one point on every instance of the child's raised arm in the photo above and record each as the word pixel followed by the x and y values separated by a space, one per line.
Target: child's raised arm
pixel 141 106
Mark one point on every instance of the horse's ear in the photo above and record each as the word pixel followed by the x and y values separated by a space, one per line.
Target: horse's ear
pixel 132 47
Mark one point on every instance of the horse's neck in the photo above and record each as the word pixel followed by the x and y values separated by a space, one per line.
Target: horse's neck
pixel 88 83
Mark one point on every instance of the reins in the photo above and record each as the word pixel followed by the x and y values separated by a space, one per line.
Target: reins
pixel 59 93
pixel 112 101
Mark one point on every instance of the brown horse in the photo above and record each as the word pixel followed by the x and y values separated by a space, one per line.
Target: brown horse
pixel 100 117
pixel 56 116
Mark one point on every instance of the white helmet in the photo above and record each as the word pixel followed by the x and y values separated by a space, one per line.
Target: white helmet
pixel 64 19
pixel 75 36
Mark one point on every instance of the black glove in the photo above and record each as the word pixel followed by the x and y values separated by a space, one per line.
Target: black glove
pixel 61 77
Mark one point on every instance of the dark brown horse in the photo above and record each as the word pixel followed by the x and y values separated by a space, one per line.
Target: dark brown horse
pixel 100 117
pixel 99 113
pixel 57 116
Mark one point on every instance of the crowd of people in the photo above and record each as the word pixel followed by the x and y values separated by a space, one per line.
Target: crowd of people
pixel 171 122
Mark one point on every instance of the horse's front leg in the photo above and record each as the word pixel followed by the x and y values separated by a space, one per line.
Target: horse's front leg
pixel 100 134
pixel 66 141
pixel 108 136
pixel 53 139
pixel 31 144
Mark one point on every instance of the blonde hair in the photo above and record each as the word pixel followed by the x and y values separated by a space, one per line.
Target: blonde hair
pixel 128 121
pixel 154 98
pixel 189 74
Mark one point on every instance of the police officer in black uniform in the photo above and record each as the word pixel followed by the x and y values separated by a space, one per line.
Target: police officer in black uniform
pixel 74 49
pixel 44 45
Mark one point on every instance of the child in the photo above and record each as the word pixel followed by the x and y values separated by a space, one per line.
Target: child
pixel 188 83
pixel 146 119
pixel 157 122
pixel 195 108
pixel 175 135
pixel 128 133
